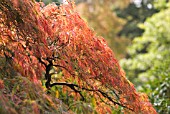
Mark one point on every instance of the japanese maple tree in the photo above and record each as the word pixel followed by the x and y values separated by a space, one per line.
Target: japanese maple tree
pixel 48 40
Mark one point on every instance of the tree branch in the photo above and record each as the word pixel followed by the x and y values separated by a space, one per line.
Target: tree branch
pixel 72 86
pixel 42 62
pixel 105 95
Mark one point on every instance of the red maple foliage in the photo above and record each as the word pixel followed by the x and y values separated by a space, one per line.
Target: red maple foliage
pixel 1 84
pixel 39 38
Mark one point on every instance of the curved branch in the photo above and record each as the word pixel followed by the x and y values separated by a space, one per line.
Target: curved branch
pixel 72 86
pixel 42 62
pixel 105 95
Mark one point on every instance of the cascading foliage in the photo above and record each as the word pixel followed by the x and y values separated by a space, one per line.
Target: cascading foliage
pixel 39 39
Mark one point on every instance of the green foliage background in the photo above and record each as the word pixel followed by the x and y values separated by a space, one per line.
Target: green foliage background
pixel 148 64
pixel 135 14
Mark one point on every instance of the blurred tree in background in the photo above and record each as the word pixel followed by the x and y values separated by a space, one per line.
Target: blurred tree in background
pixel 148 64
pixel 100 16
pixel 135 13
